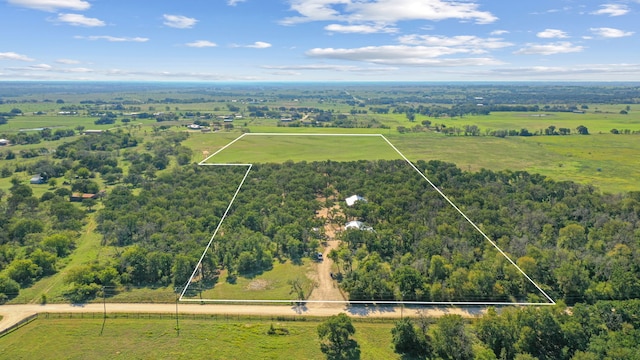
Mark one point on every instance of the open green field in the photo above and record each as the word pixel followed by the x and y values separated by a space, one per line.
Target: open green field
pixel 609 162
pixel 595 122
pixel 270 285
pixel 604 160
pixel 199 339
pixel 54 122
pixel 280 148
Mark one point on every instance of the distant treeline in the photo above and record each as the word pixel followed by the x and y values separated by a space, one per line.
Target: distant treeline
pixel 474 130
pixel 350 93
pixel 503 94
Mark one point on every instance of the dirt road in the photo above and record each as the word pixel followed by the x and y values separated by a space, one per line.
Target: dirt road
pixel 326 288
pixel 14 313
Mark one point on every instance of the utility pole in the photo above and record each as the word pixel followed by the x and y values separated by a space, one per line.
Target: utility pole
pixel 104 306
pixel 177 324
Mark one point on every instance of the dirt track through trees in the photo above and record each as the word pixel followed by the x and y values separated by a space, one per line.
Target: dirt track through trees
pixel 326 288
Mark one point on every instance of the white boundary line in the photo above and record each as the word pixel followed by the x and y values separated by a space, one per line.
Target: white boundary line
pixel 469 220
pixel 195 270
pixel 382 302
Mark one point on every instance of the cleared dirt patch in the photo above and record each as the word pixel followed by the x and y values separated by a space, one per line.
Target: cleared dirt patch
pixel 258 284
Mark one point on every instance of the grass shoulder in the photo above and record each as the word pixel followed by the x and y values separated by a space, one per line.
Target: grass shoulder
pixel 157 339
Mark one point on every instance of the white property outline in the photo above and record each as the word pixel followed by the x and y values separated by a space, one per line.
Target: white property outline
pixel 384 302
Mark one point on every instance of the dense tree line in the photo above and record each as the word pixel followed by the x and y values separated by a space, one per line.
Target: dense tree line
pixel 577 244
pixel 35 137
pixel 474 130
pixel 178 211
pixel 34 234
pixel 96 150
pixel 604 330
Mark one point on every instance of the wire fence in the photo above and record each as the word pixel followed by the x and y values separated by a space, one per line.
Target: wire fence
pixel 18 325
pixel 199 317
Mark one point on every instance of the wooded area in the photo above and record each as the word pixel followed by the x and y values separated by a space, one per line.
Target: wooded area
pixel 159 209
pixel 577 244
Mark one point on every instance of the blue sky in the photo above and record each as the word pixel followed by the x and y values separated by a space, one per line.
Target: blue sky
pixel 320 40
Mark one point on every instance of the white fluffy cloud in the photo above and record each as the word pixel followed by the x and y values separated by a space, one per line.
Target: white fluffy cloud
pixel 259 45
pixel 36 67
pixel 201 44
pixel 179 21
pixel 76 70
pixel 41 67
pixel 176 75
pixel 612 10
pixel 113 38
pixel 360 29
pixel 79 20
pixel 255 45
pixel 498 32
pixel 234 2
pixel 596 71
pixel 386 11
pixel 562 47
pixel 67 61
pixel 52 5
pixel 610 32
pixel 402 55
pixel 468 43
pixel 329 67
pixel 552 33
pixel 14 56
pixel 421 50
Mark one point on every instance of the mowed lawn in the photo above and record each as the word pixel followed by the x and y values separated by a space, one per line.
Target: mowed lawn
pixel 199 339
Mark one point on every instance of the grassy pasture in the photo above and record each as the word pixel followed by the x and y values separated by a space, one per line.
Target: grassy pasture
pixel 607 161
pixel 205 144
pixel 206 339
pixel 271 148
pixel 316 130
pixel 29 122
pixel 270 285
pixel 595 122
pixel 28 108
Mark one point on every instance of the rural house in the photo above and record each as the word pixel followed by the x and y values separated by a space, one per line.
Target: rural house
pixel 351 200
pixel 38 179
pixel 357 225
